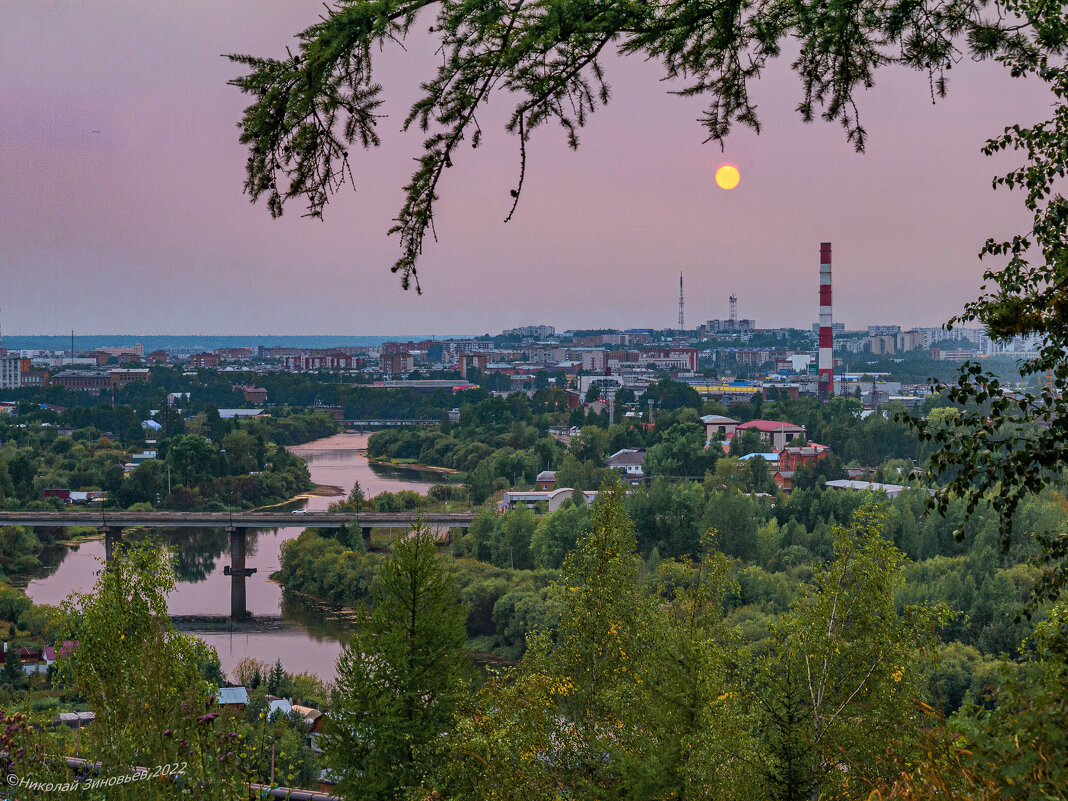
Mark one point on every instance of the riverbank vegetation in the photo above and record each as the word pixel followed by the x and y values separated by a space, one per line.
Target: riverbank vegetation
pixel 650 681
pixel 671 641
pixel 506 442
pixel 212 465
pixel 503 564
pixel 154 692
pixel 503 605
pixel 206 462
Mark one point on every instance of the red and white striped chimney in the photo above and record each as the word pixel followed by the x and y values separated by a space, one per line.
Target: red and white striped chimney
pixel 826 344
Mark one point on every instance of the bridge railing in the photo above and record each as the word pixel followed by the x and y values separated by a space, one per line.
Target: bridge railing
pixel 388 423
pixel 174 519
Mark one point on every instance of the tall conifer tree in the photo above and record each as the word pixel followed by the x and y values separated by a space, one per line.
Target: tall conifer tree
pixel 401 678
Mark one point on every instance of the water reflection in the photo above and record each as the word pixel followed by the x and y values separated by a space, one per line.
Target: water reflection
pixel 318 618
pixel 197 552
pixel 305 635
pixel 51 557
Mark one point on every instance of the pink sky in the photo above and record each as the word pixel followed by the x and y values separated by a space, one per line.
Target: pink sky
pixel 143 227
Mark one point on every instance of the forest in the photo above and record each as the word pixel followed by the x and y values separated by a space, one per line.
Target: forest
pixel 503 442
pixel 858 651
pixel 709 638
pixel 504 564
pixel 205 462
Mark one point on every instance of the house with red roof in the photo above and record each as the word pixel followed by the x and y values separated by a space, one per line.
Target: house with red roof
pixel 790 459
pixel 55 652
pixel 776 433
pixel 29 656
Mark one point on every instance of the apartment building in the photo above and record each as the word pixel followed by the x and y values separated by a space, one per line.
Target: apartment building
pixel 396 363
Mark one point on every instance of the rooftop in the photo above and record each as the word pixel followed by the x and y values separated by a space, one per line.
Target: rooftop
pixel 767 457
pixel 808 450
pixel 625 457
pixel 283 705
pixel 874 486
pixel 770 426
pixel 718 419
pixel 232 695
pixel 228 414
pixel 309 713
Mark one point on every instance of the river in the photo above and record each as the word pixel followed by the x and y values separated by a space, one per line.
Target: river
pixel 306 637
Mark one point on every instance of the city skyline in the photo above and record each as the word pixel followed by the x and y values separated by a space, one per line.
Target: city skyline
pixel 124 209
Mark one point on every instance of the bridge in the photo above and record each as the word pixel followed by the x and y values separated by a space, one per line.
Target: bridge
pixel 106 518
pixel 111 524
pixel 382 423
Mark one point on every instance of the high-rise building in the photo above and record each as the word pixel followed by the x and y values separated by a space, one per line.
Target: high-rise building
pixel 884 330
pixel 10 372
pixel 535 331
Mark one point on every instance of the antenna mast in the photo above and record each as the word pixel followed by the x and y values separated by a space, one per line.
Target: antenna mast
pixel 682 318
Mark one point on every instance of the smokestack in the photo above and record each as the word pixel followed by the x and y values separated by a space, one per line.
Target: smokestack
pixel 826 343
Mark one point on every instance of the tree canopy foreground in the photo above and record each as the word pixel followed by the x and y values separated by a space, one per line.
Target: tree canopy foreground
pixel 546 58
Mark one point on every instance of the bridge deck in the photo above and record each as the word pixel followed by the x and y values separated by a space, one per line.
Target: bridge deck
pixel 380 423
pixel 110 518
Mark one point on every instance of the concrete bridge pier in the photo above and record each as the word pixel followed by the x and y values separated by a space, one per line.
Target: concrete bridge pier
pixel 366 531
pixel 112 541
pixel 237 572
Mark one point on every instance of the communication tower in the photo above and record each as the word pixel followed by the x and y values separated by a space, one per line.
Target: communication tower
pixel 682 318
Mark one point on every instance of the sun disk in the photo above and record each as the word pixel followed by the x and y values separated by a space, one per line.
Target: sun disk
pixel 728 176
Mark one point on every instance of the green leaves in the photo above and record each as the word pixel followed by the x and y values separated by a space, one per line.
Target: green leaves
pixel 1015 745
pixel 545 57
pixel 842 672
pixel 1004 443
pixel 638 693
pixel 402 677
pixel 143 679
pixel 310 107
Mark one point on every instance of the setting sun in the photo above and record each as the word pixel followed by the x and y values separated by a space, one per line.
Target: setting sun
pixel 728 176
